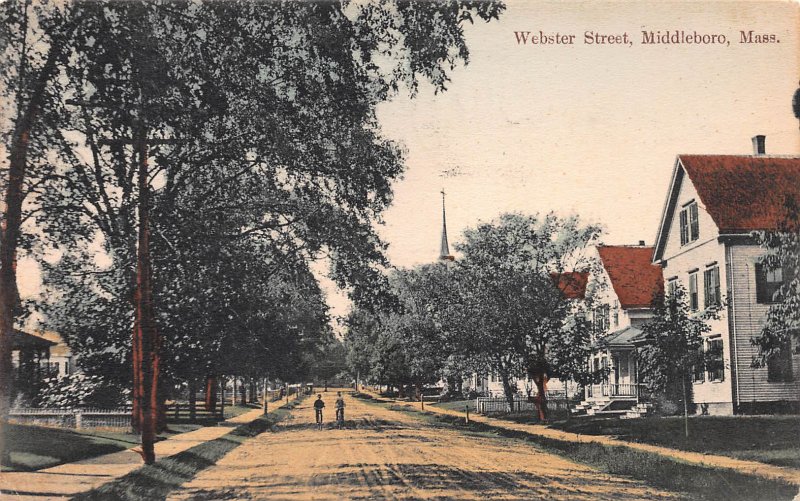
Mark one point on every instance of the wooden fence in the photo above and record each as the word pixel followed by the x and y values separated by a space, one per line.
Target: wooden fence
pixel 495 405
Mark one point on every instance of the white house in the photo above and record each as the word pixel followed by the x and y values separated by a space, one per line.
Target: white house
pixel 622 287
pixel 713 204
pixel 61 361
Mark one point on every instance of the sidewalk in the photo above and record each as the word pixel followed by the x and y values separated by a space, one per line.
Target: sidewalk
pixel 756 468
pixel 66 480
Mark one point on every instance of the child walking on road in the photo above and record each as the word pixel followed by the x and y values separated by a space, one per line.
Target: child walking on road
pixel 318 406
pixel 339 410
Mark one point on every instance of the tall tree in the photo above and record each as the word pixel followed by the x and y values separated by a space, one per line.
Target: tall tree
pixel 35 45
pixel 266 108
pixel 673 347
pixel 516 320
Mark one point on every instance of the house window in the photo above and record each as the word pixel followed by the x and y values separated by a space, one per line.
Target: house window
pixel 694 302
pixel 616 313
pixel 714 360
pixel 711 290
pixel 690 225
pixel 601 318
pixel 768 282
pixel 700 367
pixel 672 285
pixel 779 367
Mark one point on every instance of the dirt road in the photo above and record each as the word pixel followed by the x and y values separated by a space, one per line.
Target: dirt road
pixel 386 454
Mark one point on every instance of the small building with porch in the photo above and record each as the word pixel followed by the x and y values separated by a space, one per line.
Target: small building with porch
pixel 29 356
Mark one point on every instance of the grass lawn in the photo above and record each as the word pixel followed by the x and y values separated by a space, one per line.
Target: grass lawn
pixel 769 439
pixel 456 405
pixel 237 410
pixel 37 447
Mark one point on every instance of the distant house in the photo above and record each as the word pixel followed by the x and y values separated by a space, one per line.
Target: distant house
pixel 713 204
pixel 29 356
pixel 623 288
pixel 61 361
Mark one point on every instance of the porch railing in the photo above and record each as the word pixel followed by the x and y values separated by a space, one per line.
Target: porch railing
pixel 620 390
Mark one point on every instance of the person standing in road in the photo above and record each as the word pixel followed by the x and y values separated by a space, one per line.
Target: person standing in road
pixel 318 406
pixel 339 410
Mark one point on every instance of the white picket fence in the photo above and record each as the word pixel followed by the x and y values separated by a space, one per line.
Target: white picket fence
pixel 73 418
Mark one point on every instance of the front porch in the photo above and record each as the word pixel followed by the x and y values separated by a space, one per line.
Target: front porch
pixel 620 391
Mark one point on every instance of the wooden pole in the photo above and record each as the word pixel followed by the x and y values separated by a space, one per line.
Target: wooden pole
pixel 145 334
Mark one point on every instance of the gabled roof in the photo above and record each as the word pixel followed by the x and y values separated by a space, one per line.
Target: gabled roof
pixel 634 277
pixel 572 283
pixel 741 193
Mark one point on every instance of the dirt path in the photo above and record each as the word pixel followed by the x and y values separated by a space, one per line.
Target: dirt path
pixel 385 454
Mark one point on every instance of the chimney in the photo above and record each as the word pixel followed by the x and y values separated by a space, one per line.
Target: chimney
pixel 641 242
pixel 759 147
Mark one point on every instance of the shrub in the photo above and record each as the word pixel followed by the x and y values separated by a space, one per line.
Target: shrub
pixel 80 390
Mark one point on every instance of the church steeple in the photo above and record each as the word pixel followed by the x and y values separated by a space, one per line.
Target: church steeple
pixel 444 252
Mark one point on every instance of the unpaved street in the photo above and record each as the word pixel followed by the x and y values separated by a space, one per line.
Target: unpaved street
pixel 386 454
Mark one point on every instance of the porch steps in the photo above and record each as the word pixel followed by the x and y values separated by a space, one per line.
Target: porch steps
pixel 640 410
pixel 608 407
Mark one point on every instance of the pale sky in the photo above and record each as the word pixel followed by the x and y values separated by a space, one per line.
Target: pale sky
pixel 587 129
pixel 592 130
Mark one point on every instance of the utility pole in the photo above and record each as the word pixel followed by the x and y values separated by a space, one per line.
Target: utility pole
pixel 146 342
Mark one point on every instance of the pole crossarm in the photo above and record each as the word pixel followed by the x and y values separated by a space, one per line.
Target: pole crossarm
pixel 153 141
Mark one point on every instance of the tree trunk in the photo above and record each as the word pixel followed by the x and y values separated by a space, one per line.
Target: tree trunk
pixel 211 394
pixel 222 384
pixel 12 220
pixel 266 395
pixel 541 395
pixel 145 333
pixel 685 408
pixel 508 390
pixel 192 400
pixel 242 393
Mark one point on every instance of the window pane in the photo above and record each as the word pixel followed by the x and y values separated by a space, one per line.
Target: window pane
pixel 693 299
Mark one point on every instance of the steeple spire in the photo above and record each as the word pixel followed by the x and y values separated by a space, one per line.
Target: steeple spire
pixel 444 252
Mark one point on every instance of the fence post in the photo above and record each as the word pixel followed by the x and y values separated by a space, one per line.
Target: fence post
pixel 78 419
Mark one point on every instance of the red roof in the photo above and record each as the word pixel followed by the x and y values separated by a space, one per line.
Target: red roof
pixel 744 193
pixel 572 283
pixel 634 277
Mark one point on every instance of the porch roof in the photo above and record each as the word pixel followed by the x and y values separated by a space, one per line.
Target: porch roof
pixel 628 337
pixel 22 340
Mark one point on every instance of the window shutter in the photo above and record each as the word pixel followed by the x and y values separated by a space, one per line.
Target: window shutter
pixel 684 228
pixel 694 223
